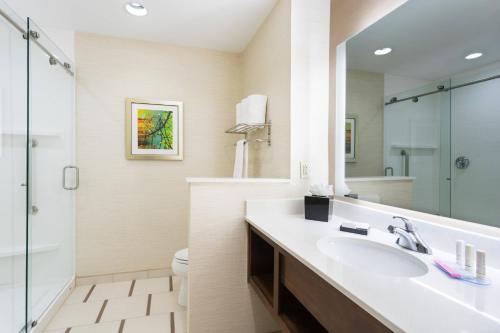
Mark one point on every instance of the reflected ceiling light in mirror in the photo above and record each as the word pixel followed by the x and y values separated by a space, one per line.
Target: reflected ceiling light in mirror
pixel 384 51
pixel 136 9
pixel 474 55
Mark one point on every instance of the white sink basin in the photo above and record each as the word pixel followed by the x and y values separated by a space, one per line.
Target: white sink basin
pixel 372 257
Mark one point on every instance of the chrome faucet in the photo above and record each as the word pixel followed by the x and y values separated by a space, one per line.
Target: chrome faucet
pixel 409 238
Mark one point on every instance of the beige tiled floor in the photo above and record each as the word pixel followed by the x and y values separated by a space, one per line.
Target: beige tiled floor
pixel 149 306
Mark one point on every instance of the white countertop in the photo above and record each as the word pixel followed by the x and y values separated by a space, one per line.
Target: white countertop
pixel 426 304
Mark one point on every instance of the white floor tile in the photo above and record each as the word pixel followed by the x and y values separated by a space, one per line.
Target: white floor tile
pixel 59 330
pixel 122 308
pixel 150 324
pixel 81 316
pixel 77 314
pixel 151 286
pixel 110 290
pixel 165 303
pixel 111 327
pixel 78 294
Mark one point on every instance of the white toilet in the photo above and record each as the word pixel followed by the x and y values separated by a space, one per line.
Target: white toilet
pixel 180 269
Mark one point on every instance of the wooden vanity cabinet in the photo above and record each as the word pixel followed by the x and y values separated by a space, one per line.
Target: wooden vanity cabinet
pixel 297 297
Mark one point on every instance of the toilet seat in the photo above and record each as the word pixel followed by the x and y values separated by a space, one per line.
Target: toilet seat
pixel 182 256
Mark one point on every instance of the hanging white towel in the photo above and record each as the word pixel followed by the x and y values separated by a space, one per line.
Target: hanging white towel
pixel 245 162
pixel 241 160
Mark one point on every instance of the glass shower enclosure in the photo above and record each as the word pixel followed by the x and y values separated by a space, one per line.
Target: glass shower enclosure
pixel 447 140
pixel 37 172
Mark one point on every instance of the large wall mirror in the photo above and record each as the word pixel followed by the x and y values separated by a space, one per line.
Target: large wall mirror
pixel 422 109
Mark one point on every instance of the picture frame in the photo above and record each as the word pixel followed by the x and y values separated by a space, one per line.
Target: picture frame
pixel 154 129
pixel 351 123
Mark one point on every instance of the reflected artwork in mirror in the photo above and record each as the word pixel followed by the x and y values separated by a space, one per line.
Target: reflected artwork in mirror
pixel 423 84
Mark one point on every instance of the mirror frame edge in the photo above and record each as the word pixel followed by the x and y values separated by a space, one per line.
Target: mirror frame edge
pixel 341 187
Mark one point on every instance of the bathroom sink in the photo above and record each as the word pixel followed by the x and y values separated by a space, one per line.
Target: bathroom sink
pixel 372 257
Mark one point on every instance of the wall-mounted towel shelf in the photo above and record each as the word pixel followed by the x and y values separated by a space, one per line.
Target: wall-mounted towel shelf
pixel 246 129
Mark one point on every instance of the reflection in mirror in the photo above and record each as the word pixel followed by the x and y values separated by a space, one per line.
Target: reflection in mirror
pixel 423 110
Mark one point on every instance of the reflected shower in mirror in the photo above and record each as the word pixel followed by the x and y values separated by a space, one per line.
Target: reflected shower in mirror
pixel 423 110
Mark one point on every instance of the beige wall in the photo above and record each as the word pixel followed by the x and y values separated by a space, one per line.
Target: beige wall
pixel 123 205
pixel 133 215
pixel 348 18
pixel 266 70
pixel 365 100
pixel 220 299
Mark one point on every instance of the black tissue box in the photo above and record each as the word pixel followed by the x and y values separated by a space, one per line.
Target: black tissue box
pixel 317 208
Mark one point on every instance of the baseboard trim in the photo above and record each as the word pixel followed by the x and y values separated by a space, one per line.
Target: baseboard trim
pixel 123 276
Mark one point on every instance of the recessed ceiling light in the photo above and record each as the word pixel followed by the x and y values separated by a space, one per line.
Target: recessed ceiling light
pixel 474 55
pixel 135 8
pixel 384 51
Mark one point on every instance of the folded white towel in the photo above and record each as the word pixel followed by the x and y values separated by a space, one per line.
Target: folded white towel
pixel 241 113
pixel 256 109
pixel 241 160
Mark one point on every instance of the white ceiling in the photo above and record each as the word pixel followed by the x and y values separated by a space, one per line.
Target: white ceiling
pixel 226 25
pixel 430 39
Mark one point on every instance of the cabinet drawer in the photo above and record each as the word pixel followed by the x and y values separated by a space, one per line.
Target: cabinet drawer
pixel 332 309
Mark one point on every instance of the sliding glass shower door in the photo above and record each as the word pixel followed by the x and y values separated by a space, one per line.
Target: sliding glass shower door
pixel 53 175
pixel 13 182
pixel 417 145
pixel 475 142
pixel 448 140
pixel 37 173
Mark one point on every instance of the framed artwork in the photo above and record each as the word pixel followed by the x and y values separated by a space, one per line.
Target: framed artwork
pixel 350 138
pixel 154 130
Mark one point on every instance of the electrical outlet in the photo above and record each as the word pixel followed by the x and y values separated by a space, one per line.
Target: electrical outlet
pixel 304 170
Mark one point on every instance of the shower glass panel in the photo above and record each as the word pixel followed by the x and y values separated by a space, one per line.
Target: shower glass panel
pixel 416 144
pixel 51 98
pixel 475 137
pixel 13 182
pixel 37 176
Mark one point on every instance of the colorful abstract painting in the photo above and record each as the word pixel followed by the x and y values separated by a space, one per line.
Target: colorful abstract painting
pixel 350 138
pixel 154 130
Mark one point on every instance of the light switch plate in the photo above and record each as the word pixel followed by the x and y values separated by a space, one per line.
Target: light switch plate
pixel 304 170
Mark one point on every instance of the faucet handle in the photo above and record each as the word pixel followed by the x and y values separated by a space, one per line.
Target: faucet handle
pixel 409 226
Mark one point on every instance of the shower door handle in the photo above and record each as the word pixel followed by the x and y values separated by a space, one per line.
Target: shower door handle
pixel 462 162
pixel 77 177
pixel 406 161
